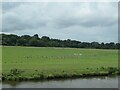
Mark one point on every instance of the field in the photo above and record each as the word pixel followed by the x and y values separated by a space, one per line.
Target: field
pixel 46 62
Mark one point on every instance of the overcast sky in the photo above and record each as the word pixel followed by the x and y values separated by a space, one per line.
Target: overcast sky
pixel 88 21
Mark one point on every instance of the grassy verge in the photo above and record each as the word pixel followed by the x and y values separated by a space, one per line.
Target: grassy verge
pixel 23 63
pixel 16 75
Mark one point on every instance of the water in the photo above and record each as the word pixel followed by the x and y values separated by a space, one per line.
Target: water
pixel 0 85
pixel 98 82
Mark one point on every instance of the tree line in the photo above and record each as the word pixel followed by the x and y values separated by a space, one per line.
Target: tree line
pixel 45 41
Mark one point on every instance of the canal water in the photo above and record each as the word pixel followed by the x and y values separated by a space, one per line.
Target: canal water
pixel 0 85
pixel 96 82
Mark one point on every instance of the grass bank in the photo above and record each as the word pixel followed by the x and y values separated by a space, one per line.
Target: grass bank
pixel 34 63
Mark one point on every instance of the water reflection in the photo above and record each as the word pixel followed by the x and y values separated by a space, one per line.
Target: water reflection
pixel 0 85
pixel 97 82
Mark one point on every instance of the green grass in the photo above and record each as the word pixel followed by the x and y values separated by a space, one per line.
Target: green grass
pixel 50 62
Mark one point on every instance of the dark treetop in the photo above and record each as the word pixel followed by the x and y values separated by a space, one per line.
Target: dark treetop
pixel 44 41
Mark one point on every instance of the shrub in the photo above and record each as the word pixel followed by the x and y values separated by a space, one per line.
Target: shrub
pixel 112 70
pixel 15 72
pixel 41 76
pixel 118 70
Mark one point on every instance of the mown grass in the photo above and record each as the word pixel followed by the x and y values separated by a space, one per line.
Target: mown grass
pixel 35 63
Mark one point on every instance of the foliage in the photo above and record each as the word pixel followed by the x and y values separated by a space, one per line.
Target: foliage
pixel 112 70
pixel 44 41
pixel 15 72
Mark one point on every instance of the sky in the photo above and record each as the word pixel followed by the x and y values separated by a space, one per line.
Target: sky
pixel 83 21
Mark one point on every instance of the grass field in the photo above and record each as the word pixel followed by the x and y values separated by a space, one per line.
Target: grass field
pixel 39 62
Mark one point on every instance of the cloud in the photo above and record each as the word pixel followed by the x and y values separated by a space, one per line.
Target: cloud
pixel 80 21
pixel 7 5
